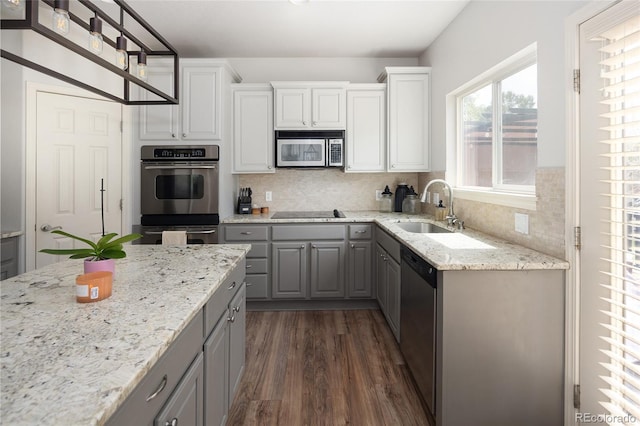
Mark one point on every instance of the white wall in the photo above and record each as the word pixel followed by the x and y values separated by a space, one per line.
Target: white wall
pixel 488 32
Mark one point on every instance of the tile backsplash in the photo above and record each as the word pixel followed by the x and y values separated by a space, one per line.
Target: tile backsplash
pixel 327 189
pixel 330 189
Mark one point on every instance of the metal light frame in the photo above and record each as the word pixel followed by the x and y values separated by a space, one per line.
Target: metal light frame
pixel 31 23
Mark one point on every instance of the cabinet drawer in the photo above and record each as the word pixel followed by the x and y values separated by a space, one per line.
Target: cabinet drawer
pixel 308 232
pixel 360 232
pixel 217 304
pixel 246 233
pixel 389 244
pixel 256 266
pixel 140 407
pixel 257 286
pixel 258 250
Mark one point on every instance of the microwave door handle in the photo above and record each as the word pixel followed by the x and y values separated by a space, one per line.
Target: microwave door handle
pixel 186 166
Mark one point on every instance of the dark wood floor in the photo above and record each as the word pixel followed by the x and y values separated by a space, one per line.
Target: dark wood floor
pixel 324 368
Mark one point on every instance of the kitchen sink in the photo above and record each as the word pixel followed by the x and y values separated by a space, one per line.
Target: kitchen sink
pixel 421 227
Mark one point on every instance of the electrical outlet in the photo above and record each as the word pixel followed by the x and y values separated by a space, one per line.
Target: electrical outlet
pixel 436 198
pixel 378 194
pixel 268 196
pixel 522 223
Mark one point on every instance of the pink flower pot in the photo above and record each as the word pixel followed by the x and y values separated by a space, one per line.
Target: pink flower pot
pixel 100 265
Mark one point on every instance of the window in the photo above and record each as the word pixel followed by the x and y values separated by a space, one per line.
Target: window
pixel 497 122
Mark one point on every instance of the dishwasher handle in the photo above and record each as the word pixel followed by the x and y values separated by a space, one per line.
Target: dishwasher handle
pixel 427 271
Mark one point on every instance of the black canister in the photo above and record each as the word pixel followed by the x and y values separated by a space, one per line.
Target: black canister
pixel 401 191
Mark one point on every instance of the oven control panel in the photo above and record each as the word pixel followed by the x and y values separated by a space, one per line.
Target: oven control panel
pixel 204 152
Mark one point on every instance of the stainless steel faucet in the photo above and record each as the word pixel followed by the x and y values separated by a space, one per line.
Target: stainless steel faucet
pixel 451 217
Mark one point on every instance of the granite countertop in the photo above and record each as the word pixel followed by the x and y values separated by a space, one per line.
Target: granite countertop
pixel 68 363
pixel 458 250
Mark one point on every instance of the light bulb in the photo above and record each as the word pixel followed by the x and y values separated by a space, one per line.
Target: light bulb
pixel 95 35
pixel 122 57
pixel 13 4
pixel 60 16
pixel 142 66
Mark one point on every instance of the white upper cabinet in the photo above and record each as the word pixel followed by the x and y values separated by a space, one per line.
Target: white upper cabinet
pixel 310 105
pixel 253 145
pixel 408 118
pixel 366 133
pixel 198 116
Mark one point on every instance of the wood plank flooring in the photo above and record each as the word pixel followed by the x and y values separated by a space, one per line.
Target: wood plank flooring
pixel 324 368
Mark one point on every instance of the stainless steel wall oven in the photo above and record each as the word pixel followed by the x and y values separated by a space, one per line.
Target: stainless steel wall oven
pixel 179 191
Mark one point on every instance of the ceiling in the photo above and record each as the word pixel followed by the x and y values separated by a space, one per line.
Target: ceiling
pixel 279 28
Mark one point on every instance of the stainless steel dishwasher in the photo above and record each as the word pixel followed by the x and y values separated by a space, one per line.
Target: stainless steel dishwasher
pixel 418 322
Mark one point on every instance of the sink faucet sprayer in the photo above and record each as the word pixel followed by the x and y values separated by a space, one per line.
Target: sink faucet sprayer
pixel 451 217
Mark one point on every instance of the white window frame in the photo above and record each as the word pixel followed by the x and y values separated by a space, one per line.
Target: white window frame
pixel 517 196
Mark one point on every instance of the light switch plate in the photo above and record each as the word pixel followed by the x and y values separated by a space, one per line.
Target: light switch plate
pixel 378 194
pixel 522 223
pixel 268 196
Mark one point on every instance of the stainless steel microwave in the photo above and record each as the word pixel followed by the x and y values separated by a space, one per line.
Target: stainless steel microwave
pixel 310 148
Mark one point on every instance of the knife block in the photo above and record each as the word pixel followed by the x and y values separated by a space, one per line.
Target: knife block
pixel 244 206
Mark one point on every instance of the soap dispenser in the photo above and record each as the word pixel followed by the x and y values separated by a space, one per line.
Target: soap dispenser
pixel 441 211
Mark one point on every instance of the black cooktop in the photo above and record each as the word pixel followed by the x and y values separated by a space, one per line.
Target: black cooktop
pixel 307 214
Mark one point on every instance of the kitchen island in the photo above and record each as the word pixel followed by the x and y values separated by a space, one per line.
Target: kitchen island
pixel 69 363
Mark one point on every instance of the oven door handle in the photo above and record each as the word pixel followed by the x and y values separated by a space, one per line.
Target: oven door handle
pixel 206 231
pixel 185 166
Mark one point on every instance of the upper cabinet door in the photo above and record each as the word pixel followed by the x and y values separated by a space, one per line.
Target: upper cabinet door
pixel 253 146
pixel 310 105
pixel 159 122
pixel 408 112
pixel 328 108
pixel 366 133
pixel 201 91
pixel 293 108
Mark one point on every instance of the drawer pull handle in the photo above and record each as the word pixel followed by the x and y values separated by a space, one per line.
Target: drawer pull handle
pixel 248 266
pixel 361 232
pixel 232 286
pixel 246 232
pixel 163 383
pixel 173 422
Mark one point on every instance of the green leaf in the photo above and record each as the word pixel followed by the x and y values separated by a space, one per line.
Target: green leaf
pixel 113 254
pixel 105 239
pixel 89 252
pixel 125 239
pixel 75 237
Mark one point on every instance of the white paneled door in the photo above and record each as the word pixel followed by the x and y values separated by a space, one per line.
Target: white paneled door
pixel 79 144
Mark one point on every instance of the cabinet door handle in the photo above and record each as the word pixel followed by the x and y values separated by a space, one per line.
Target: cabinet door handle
pixel 163 383
pixel 302 246
pixel 232 286
pixel 353 246
pixel 173 135
pixel 236 308
pixel 232 318
pixel 313 246
pixel 173 422
pixel 184 135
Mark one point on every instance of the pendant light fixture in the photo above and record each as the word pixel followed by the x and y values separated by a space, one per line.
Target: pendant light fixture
pixel 60 16
pixel 95 35
pixel 122 57
pixel 142 66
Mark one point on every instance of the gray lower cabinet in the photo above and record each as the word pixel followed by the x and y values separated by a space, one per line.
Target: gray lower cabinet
pixel 258 259
pixel 216 356
pixel 9 254
pixel 327 269
pixel 388 279
pixel 289 271
pixel 360 261
pixel 184 407
pixel 236 341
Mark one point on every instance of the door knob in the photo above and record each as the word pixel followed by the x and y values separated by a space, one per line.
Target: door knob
pixel 47 228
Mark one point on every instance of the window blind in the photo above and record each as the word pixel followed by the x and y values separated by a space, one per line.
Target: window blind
pixel 621 123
